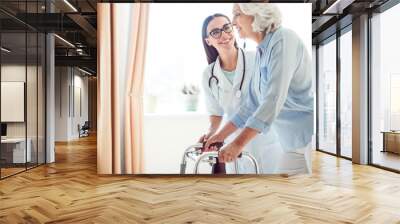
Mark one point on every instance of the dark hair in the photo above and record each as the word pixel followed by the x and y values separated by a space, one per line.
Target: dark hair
pixel 211 52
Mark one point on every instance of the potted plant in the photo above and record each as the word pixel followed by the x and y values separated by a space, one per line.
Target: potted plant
pixel 191 94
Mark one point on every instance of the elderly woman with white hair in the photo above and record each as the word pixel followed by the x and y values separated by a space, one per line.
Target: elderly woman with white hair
pixel 280 96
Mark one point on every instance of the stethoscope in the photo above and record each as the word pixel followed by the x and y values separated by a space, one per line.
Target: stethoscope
pixel 239 92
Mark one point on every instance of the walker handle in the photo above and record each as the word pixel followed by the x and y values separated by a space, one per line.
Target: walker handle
pixel 216 144
pixel 219 146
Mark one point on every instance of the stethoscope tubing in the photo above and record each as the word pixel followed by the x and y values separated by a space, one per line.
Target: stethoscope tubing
pixel 216 79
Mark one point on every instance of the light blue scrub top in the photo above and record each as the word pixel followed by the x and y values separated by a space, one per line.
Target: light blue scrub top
pixel 229 75
pixel 280 94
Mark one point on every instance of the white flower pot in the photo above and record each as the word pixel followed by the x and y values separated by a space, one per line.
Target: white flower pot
pixel 191 102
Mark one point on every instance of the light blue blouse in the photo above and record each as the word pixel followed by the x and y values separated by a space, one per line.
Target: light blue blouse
pixel 280 93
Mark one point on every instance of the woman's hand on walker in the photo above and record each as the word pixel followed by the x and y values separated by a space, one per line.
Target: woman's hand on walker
pixel 205 137
pixel 230 152
pixel 213 139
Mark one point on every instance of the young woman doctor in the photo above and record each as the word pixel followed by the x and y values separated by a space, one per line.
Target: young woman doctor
pixel 225 83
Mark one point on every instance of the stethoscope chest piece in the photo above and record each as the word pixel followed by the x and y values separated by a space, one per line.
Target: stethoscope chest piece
pixel 238 94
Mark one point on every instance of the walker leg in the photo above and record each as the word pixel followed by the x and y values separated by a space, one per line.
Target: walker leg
pixel 236 166
pixel 183 168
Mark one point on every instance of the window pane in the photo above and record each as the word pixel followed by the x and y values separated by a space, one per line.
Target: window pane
pixel 346 93
pixel 314 71
pixel 386 89
pixel 327 97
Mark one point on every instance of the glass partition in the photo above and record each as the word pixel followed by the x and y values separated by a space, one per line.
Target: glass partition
pixel 31 100
pixel 22 77
pixel 41 87
pixel 327 97
pixel 14 153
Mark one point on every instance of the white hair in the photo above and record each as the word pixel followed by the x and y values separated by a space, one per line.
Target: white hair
pixel 267 17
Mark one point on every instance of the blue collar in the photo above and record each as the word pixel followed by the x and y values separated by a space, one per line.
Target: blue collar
pixel 267 39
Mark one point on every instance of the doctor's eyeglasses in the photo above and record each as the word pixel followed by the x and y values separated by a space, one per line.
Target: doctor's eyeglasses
pixel 217 33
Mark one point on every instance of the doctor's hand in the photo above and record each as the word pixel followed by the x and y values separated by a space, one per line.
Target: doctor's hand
pixel 227 130
pixel 213 139
pixel 205 137
pixel 230 152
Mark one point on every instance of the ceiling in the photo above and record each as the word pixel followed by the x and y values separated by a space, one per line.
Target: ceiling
pixel 74 22
pixel 332 15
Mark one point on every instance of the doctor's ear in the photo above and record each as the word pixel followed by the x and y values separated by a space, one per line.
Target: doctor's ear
pixel 208 42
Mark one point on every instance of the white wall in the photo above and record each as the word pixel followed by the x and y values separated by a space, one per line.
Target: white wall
pixel 12 100
pixel 61 103
pixel 165 138
pixel 12 73
pixel 33 126
pixel 80 83
pixel 67 116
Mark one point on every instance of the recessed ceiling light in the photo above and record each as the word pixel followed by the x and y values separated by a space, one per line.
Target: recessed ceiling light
pixel 84 71
pixel 5 50
pixel 70 5
pixel 64 40
pixel 338 6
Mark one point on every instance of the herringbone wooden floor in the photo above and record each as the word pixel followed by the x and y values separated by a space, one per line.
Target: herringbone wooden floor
pixel 70 191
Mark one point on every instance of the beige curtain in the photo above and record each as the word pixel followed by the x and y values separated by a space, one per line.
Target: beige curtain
pixel 134 97
pixel 110 140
